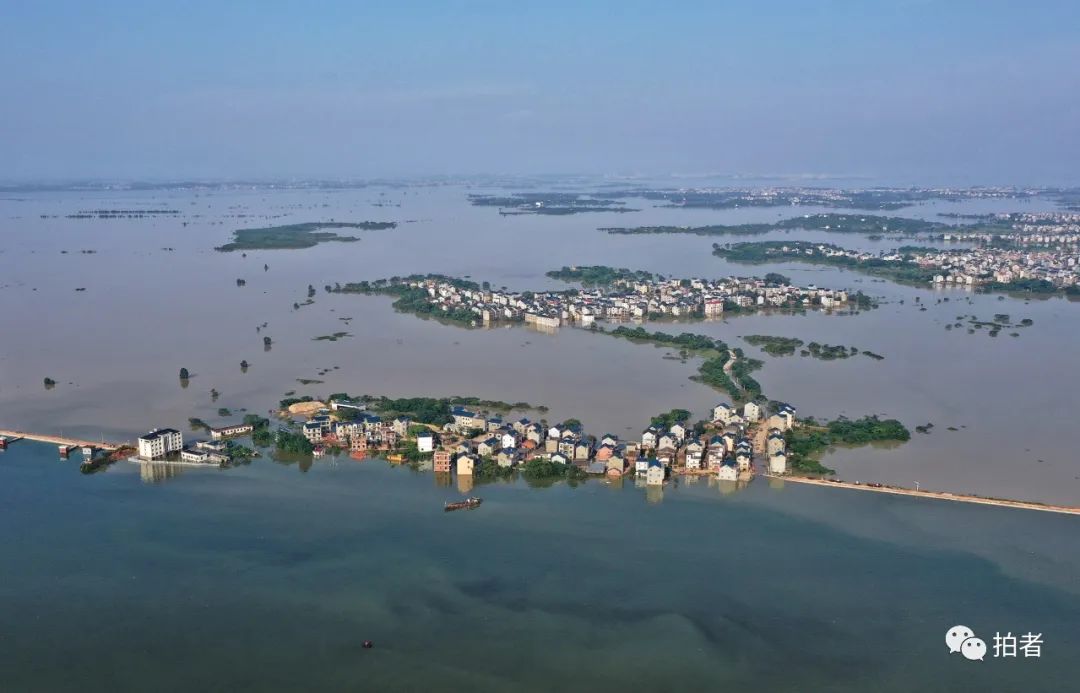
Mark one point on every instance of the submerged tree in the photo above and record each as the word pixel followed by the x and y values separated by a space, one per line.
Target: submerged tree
pixel 184 375
pixel 243 366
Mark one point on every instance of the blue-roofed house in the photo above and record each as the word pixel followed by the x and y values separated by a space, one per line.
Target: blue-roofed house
pixel 728 471
pixel 655 473
pixel 488 447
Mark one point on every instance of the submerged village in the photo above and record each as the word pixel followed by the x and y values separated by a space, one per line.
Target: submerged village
pixel 465 441
pixel 731 445
pixel 469 440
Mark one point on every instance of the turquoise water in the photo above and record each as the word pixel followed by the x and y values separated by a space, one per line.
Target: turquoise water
pixel 269 577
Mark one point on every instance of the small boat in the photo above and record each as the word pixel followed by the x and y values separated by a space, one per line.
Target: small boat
pixel 467 504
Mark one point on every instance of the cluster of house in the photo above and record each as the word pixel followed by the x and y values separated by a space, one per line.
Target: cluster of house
pixel 167 444
pixel 982 265
pixel 624 299
pixel 366 432
pixel 972 267
pixel 728 452
pixel 1028 229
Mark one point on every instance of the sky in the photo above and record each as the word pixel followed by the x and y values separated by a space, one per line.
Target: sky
pixel 919 91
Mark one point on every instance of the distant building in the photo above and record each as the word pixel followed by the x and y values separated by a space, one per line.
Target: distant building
pixel 721 413
pixel 465 419
pixel 727 471
pixel 425 442
pixel 336 404
pixel 441 461
pixel 228 431
pixel 204 452
pixel 465 465
pixel 775 442
pixel 751 411
pixel 655 474
pixel 313 431
pixel 159 443
pixel 616 465
pixel 401 425
pixel 649 437
pixel 778 463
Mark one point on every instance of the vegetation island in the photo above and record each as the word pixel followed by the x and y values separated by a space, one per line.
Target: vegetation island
pixel 806 443
pixel 297 236
pixel 549 203
pixel 723 368
pixel 599 275
pixel 833 223
pixel 786 346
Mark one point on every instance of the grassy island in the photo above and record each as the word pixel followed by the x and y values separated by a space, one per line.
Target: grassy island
pixel 599 275
pixel 774 346
pixel 433 410
pixel 724 368
pixel 296 236
pixel 786 346
pixel 331 337
pixel 412 299
pixel 806 443
pixel 549 203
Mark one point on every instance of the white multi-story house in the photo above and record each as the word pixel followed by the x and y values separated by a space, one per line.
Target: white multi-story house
pixel 751 411
pixel 778 463
pixel 159 443
pixel 655 474
pixel 727 471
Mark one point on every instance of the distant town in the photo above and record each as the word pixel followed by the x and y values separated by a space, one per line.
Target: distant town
pixel 989 268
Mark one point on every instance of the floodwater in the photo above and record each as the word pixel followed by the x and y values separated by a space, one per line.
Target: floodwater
pixel 269 577
pixel 116 348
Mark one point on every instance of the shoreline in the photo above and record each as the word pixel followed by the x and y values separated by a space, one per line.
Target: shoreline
pixel 14 436
pixel 939 495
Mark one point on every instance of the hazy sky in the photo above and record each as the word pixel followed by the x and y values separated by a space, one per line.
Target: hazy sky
pixel 980 91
